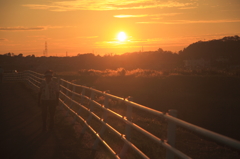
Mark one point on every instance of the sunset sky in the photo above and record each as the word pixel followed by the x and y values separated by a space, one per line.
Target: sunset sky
pixel 92 26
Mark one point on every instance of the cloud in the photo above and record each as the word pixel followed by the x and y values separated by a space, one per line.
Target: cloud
pixel 87 37
pixel 21 28
pixel 131 16
pixel 37 36
pixel 107 5
pixel 187 8
pixel 178 42
pixel 3 39
pixel 146 15
pixel 37 28
pixel 192 21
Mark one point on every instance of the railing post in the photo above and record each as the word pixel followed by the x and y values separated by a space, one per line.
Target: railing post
pixel 104 118
pixel 90 115
pixel 24 77
pixel 127 129
pixel 82 96
pixel 73 98
pixel 67 93
pixel 129 117
pixel 28 79
pixel 60 95
pixel 105 114
pixel 171 133
pixel 73 93
pixel 81 102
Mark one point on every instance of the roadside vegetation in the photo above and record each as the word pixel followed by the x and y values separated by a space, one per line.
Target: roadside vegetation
pixel 199 99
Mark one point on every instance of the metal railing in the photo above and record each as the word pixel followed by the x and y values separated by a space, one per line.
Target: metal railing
pixel 86 101
pixel 14 76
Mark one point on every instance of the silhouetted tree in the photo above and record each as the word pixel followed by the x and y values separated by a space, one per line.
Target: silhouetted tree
pixel 20 55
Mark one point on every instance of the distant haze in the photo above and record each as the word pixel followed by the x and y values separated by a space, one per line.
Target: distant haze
pixel 92 26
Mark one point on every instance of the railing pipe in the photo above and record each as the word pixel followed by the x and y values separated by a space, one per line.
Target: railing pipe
pixel 33 80
pixel 171 133
pixel 210 134
pixel 90 115
pixel 104 119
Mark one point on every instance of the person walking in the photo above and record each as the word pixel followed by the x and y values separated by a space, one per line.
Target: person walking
pixel 48 99
pixel 1 74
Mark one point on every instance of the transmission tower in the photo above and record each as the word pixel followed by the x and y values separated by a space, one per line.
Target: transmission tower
pixel 46 50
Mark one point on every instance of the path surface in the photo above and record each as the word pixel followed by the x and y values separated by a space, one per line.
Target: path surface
pixel 21 135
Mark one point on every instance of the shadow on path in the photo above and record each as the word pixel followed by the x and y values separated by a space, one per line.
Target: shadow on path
pixel 21 135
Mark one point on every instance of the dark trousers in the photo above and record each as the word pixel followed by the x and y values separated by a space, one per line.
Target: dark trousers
pixel 48 106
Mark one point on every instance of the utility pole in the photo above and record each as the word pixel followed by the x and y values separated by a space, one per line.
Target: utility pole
pixel 46 50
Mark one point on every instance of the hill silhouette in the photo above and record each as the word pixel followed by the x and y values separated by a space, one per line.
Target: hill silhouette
pixel 217 51
pixel 227 48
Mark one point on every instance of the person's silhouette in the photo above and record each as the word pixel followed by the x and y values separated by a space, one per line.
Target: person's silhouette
pixel 48 99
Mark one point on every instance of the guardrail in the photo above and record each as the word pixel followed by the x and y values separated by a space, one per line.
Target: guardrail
pixel 15 76
pixel 77 98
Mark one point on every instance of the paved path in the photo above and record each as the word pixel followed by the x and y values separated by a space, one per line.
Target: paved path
pixel 21 135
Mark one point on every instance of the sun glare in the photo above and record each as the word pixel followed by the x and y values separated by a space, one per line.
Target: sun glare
pixel 121 36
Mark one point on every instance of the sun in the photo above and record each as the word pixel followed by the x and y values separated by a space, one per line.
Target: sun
pixel 121 36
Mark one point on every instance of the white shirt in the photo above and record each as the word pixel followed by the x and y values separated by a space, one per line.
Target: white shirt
pixel 49 90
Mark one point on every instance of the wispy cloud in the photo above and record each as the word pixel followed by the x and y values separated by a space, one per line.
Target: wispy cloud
pixel 191 21
pixel 131 16
pixel 37 36
pixel 18 28
pixel 3 39
pixel 188 8
pixel 178 42
pixel 107 5
pixel 87 37
pixel 37 28
pixel 146 15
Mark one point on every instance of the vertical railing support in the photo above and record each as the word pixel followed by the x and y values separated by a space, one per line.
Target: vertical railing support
pixel 105 113
pixel 60 95
pixel 29 80
pixel 127 129
pixel 81 102
pixel 73 93
pixel 73 98
pixel 90 115
pixel 25 78
pixel 82 96
pixel 104 118
pixel 171 133
pixel 67 93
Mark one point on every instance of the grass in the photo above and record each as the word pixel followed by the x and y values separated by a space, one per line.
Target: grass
pixel 201 100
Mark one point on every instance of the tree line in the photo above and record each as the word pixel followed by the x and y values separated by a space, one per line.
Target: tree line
pixel 223 52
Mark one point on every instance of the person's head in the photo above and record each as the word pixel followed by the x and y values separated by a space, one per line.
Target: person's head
pixel 48 74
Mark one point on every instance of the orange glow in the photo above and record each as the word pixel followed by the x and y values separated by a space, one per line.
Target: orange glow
pixel 93 26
